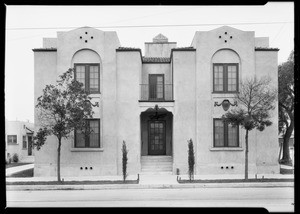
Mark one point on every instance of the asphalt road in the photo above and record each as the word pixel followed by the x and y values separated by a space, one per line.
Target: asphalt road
pixel 279 199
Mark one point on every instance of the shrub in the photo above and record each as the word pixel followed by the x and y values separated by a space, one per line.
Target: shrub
pixel 191 159
pixel 124 160
pixel 15 158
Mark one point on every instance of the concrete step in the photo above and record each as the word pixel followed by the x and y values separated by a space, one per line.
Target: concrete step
pixel 157 165
pixel 156 173
pixel 156 157
pixel 158 170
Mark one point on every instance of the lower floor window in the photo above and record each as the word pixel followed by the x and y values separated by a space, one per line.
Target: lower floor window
pixel 225 134
pixel 90 136
pixel 12 139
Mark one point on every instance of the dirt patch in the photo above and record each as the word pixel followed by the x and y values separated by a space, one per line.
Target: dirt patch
pixel 238 180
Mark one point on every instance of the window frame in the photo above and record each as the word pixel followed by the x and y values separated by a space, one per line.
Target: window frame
pixel 225 137
pixel 87 76
pixel 225 77
pixel 12 143
pixel 24 142
pixel 163 85
pixel 87 143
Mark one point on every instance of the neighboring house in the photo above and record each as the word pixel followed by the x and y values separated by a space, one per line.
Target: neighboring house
pixel 157 102
pixel 19 139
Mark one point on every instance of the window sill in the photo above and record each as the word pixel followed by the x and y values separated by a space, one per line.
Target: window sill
pixel 225 92
pixel 226 149
pixel 87 149
pixel 12 144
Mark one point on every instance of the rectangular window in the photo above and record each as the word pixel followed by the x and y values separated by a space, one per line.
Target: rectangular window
pixel 12 139
pixel 89 75
pixel 93 139
pixel 225 135
pixel 24 142
pixel 225 77
pixel 156 86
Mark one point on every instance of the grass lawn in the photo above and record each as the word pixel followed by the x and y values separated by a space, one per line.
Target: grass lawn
pixel 22 174
pixel 286 171
pixel 71 182
pixel 252 180
pixel 9 165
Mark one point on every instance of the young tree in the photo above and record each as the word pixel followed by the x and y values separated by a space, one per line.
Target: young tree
pixel 286 104
pixel 255 100
pixel 191 159
pixel 61 109
pixel 124 160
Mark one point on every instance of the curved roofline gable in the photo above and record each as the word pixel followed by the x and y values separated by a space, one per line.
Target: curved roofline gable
pixel 87 27
pixel 226 27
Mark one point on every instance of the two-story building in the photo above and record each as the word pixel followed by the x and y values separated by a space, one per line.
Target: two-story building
pixel 157 101
pixel 19 139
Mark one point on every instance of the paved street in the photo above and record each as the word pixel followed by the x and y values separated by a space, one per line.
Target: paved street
pixel 273 199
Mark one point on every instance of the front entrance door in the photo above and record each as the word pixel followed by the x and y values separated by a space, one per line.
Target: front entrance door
pixel 157 137
pixel 29 145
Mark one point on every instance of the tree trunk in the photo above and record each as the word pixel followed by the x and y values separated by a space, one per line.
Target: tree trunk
pixel 286 158
pixel 58 160
pixel 246 156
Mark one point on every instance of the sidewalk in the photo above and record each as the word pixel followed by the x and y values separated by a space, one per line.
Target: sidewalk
pixel 146 182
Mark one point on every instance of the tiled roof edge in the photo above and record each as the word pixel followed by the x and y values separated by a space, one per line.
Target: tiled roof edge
pixel 44 49
pixel 184 49
pixel 156 59
pixel 127 49
pixel 266 49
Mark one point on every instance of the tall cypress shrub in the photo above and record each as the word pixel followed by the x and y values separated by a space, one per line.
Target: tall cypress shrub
pixel 124 160
pixel 191 159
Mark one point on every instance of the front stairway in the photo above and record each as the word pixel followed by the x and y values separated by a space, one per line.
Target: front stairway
pixel 156 165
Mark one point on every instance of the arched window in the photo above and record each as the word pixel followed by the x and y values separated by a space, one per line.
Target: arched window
pixel 225 71
pixel 87 70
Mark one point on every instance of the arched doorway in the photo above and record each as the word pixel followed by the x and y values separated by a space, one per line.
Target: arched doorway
pixel 156 131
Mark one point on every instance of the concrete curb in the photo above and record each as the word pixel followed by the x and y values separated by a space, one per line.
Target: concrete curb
pixel 146 186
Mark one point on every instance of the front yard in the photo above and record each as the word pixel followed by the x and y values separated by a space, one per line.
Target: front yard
pixel 9 165
pixel 22 174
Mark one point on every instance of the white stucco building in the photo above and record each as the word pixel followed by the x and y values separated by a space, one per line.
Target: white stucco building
pixel 157 102
pixel 19 139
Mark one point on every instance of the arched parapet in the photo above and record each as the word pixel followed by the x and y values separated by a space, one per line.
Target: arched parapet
pixel 226 55
pixel 86 56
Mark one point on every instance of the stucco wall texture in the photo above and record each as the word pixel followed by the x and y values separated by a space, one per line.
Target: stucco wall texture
pixel 191 108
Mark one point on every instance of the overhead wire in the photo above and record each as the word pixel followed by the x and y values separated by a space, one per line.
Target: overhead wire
pixel 145 26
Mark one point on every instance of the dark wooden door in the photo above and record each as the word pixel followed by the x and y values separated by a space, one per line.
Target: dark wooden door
pixel 157 138
pixel 29 145
pixel 156 86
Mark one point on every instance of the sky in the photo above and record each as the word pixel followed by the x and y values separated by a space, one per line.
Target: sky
pixel 26 26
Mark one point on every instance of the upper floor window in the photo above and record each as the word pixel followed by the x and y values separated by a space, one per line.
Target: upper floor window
pixel 225 135
pixel 156 86
pixel 89 75
pixel 93 138
pixel 225 77
pixel 12 139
